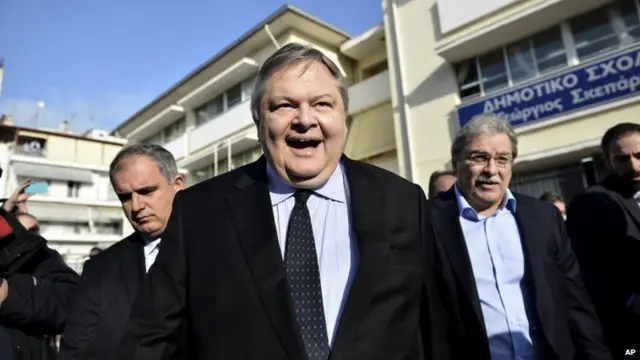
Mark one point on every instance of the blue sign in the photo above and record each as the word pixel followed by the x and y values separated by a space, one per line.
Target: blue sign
pixel 613 78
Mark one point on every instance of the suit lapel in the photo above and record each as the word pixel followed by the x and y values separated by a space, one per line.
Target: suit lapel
pixel 534 247
pixel 252 215
pixel 370 227
pixel 449 234
pixel 132 266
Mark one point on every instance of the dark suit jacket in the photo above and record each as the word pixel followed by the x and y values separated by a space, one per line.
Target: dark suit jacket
pixel 221 274
pixel 562 316
pixel 604 225
pixel 102 304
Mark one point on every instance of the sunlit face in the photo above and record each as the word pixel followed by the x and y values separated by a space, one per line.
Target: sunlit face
pixel 443 183
pixel 484 171
pixel 302 124
pixel 624 158
pixel 145 194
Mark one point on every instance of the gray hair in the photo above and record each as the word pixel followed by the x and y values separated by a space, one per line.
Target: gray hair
pixel 480 125
pixel 289 55
pixel 161 156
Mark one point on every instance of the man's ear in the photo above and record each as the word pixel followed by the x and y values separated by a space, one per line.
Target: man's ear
pixel 179 182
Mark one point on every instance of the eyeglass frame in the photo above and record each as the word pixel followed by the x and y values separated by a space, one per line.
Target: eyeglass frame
pixel 482 158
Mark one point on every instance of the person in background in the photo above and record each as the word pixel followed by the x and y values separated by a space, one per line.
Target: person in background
pixel 440 182
pixel 604 225
pixel 94 251
pixel 36 289
pixel 556 200
pixel 517 292
pixel 146 179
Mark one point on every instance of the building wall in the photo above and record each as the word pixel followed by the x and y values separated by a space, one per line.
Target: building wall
pixel 79 208
pixel 366 139
pixel 425 84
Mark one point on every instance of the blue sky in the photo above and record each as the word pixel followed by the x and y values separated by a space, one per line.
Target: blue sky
pixel 96 62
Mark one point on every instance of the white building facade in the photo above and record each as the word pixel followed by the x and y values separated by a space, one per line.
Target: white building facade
pixel 77 208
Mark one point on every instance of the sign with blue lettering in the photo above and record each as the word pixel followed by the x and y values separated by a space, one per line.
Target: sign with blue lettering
pixel 609 79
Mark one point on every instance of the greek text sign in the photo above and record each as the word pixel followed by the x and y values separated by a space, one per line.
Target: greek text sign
pixel 609 79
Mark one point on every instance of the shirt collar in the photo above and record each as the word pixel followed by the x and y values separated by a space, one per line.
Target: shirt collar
pixel 464 208
pixel 334 188
pixel 150 245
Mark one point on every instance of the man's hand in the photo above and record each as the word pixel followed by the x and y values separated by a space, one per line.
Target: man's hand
pixel 18 199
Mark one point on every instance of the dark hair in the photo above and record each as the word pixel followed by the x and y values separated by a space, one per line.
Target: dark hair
pixel 551 197
pixel 95 249
pixel 161 156
pixel 434 177
pixel 616 132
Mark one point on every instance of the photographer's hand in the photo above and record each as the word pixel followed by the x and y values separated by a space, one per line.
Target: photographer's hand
pixel 18 199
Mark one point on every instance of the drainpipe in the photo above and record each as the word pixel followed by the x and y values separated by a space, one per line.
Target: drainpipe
pixel 401 121
pixel 273 38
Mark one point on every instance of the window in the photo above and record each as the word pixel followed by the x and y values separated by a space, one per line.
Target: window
pixel 31 146
pixel 155 139
pixel 588 35
pixel 73 189
pixel 234 96
pixel 593 34
pixel 174 130
pixel 210 110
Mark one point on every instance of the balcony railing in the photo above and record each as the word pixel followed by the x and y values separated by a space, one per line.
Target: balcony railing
pixel 177 146
pixel 369 93
pixel 222 126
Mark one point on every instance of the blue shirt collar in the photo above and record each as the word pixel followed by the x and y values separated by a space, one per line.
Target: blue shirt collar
pixel 334 188
pixel 464 208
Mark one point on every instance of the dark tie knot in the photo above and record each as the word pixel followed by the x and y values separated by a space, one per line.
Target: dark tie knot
pixel 302 196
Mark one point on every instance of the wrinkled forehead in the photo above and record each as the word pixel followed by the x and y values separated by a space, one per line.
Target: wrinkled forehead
pixel 492 144
pixel 626 144
pixel 302 78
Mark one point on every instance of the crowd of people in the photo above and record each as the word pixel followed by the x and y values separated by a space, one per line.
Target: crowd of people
pixel 308 254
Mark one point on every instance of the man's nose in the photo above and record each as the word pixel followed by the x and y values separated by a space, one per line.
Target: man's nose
pixel 136 203
pixel 491 167
pixel 306 117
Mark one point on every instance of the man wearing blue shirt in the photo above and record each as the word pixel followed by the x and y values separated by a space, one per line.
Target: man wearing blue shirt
pixel 516 288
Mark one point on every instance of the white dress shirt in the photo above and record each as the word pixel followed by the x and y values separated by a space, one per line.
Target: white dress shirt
pixel 337 250
pixel 150 252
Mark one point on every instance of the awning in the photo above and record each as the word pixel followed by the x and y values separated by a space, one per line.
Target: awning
pixel 48 172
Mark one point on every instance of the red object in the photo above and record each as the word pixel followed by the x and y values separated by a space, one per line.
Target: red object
pixel 5 228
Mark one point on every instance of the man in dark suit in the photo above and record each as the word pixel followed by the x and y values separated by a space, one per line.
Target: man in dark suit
pixel 146 179
pixel 517 290
pixel 604 225
pixel 304 254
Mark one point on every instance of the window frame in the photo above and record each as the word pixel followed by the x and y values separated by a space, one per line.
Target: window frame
pixel 614 15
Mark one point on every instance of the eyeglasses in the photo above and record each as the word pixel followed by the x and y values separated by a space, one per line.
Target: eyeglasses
pixel 483 159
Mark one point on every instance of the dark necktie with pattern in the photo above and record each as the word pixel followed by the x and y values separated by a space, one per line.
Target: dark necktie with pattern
pixel 301 264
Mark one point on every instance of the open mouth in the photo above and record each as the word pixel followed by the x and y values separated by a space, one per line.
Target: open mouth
pixel 303 143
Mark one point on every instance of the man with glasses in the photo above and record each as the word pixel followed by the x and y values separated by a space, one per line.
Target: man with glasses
pixel 517 291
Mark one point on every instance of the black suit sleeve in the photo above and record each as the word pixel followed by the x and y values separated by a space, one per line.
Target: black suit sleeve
pixel 158 320
pixel 586 330
pixel 79 333
pixel 39 301
pixel 434 321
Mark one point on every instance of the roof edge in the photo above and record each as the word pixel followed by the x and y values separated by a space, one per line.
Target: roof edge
pixel 254 30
